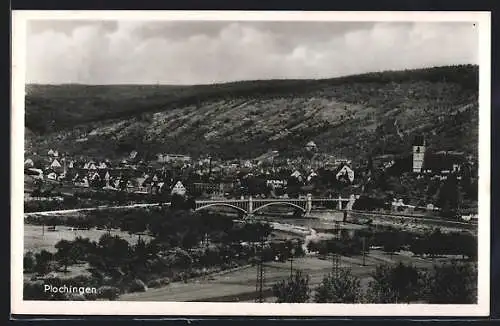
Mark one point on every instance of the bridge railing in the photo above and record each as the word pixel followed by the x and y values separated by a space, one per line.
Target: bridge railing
pixel 221 201
pixel 271 200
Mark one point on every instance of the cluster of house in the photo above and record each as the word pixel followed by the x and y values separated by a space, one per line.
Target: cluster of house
pixel 102 174
pixel 170 171
pixel 211 175
pixel 425 163
pixel 398 205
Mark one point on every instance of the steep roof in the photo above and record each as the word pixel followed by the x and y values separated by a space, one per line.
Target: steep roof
pixel 439 162
pixel 55 164
pixel 346 170
pixel 418 141
pixel 179 189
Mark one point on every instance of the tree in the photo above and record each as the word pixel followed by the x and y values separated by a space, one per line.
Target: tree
pixel 453 283
pixel 190 203
pixel 81 248
pixel 111 255
pixel 43 260
pixel 468 246
pixel 64 253
pixel 394 284
pixel 293 290
pixel 29 262
pixel 182 258
pixel 391 247
pixel 133 223
pixel 341 288
pixel 252 231
pixel 177 202
pixel 449 196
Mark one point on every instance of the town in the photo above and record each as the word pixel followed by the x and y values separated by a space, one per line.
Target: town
pixel 267 176
pixel 253 162
pixel 304 228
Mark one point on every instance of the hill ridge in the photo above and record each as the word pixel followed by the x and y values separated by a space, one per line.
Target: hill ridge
pixel 352 115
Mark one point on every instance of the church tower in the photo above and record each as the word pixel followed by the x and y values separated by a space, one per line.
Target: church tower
pixel 418 153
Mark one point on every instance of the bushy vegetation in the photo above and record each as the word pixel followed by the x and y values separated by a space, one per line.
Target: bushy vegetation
pixel 451 283
pixel 437 243
pixel 293 290
pixel 184 245
pixel 391 240
pixel 339 287
pixel 395 284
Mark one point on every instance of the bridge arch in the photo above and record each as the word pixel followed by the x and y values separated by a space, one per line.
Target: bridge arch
pixel 221 204
pixel 280 204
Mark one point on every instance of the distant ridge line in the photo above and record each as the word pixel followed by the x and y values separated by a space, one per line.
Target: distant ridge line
pixel 323 79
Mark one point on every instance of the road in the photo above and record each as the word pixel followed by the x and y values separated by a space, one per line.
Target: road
pixel 76 210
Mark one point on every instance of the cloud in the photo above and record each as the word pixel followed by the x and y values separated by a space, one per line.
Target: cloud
pixel 208 52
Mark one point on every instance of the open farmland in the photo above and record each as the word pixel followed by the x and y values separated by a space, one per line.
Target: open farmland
pixel 36 239
pixel 240 285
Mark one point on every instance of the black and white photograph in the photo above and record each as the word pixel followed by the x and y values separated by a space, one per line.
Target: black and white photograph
pixel 235 163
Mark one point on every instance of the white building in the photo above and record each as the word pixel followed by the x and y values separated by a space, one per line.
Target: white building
pixel 55 164
pixel 166 158
pixel 29 163
pixel 418 153
pixel 179 189
pixel 311 146
pixel 346 172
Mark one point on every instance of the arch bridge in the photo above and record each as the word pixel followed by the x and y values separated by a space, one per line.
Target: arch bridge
pixel 252 205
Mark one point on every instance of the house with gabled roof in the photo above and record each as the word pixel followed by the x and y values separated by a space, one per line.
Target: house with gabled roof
pixel 311 175
pixel 95 176
pixel 345 173
pixel 55 164
pixel 178 189
pixel 28 163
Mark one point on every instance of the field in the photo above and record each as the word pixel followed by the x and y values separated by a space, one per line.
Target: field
pixel 240 285
pixel 37 239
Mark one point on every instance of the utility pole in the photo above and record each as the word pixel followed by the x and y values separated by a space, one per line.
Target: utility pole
pixel 335 264
pixel 260 280
pixel 209 168
pixel 336 256
pixel 260 274
pixel 364 252
pixel 292 253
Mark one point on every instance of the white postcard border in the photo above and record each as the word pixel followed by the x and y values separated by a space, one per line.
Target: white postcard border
pixel 19 19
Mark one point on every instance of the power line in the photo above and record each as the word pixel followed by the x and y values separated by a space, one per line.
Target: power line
pixel 260 274
pixel 336 256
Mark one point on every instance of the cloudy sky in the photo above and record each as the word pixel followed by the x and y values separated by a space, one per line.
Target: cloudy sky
pixel 182 52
